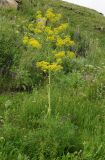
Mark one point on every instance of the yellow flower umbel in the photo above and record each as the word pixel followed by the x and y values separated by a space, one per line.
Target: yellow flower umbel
pixel 71 54
pixel 25 40
pixel 51 16
pixel 46 66
pixel 37 30
pixel 51 38
pixel 55 67
pixel 41 23
pixel 34 43
pixel 59 42
pixel 64 42
pixel 49 31
pixel 38 15
pixel 49 67
pixel 68 42
pixel 60 55
pixel 43 65
pixel 61 28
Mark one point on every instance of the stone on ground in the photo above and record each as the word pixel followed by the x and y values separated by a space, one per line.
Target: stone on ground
pixel 8 3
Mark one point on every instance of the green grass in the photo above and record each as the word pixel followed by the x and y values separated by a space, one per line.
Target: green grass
pixel 76 128
pixel 77 122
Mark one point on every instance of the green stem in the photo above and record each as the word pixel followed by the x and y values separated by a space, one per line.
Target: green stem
pixel 49 94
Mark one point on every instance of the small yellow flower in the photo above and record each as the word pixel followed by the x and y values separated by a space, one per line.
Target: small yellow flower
pixel 59 42
pixel 49 31
pixel 43 65
pixel 49 14
pixel 41 24
pixel 25 40
pixel 55 67
pixel 38 15
pixel 36 30
pixel 34 43
pixel 64 26
pixel 46 66
pixel 71 54
pixel 68 41
pixel 61 28
pixel 60 54
pixel 51 38
pixel 64 42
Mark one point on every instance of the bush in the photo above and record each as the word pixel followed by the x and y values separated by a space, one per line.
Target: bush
pixel 10 53
pixel 10 50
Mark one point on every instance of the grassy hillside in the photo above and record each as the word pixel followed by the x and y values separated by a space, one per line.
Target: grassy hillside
pixel 75 129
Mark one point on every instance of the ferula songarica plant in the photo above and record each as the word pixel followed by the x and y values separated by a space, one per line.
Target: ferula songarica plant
pixel 49 37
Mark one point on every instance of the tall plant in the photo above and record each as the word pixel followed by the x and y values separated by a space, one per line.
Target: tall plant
pixel 50 38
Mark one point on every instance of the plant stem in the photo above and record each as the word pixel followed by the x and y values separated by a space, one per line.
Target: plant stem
pixel 49 94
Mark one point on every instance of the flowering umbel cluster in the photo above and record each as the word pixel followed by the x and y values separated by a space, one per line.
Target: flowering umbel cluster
pixel 48 30
pixel 32 42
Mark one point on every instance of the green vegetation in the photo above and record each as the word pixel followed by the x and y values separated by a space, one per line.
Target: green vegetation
pixel 75 129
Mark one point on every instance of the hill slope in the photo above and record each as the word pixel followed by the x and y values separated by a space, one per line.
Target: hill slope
pixel 75 130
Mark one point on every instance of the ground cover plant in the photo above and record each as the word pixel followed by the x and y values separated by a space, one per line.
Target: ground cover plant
pixel 52 82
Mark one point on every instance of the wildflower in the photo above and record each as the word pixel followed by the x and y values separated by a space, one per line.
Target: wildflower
pixel 64 26
pixel 59 42
pixel 46 66
pixel 57 17
pixel 31 27
pixel 25 39
pixel 55 67
pixel 43 65
pixel 34 43
pixel 41 24
pixel 38 15
pixel 60 54
pixel 71 54
pixel 36 30
pixel 59 60
pixel 61 28
pixel 49 31
pixel 51 38
pixel 49 14
pixel 68 42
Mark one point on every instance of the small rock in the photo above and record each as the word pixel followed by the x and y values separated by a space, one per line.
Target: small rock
pixel 8 3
